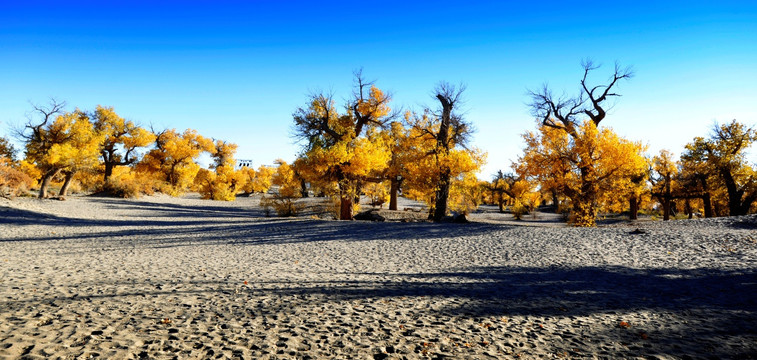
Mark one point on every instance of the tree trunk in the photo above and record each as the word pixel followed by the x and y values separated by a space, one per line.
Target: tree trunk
pixel 633 203
pixel 442 194
pixel 345 207
pixel 442 148
pixel 345 200
pixel 666 208
pixel 706 200
pixel 555 202
pixel 394 189
pixel 43 185
pixel 666 200
pixel 687 208
pixel 66 183
pixel 735 207
pixel 501 202
pixel 304 189
pixel 108 170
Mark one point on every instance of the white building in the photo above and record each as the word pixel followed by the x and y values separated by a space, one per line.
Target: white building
pixel 243 164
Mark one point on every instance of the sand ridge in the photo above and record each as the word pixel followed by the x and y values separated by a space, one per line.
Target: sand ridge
pixel 162 277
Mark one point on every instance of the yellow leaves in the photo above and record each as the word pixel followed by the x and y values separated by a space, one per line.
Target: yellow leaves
pixel 221 184
pixel 376 106
pixel 223 154
pixel 664 163
pixel 70 142
pixel 285 179
pixel 173 159
pixel 287 183
pixel 367 156
pixel 593 167
pixel 139 137
pixel 377 192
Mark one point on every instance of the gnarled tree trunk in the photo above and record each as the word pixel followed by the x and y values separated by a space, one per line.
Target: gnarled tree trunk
pixel 394 189
pixel 66 183
pixel 45 182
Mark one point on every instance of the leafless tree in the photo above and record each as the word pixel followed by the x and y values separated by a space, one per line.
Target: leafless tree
pixel 566 113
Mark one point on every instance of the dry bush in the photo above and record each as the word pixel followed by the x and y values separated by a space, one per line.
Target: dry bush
pixel 12 181
pixel 127 183
pixel 519 210
pixel 284 206
pixel 377 192
pixel 123 188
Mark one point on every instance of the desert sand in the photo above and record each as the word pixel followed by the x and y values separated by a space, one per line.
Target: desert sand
pixel 162 277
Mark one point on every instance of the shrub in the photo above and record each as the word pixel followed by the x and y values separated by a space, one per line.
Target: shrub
pixel 127 183
pixel 284 206
pixel 12 181
pixel 519 210
pixel 377 192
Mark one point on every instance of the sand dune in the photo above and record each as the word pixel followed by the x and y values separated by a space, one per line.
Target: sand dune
pixel 162 277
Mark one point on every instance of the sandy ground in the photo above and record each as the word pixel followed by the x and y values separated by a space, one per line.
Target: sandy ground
pixel 160 277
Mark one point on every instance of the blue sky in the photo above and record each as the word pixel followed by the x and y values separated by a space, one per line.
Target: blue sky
pixel 237 70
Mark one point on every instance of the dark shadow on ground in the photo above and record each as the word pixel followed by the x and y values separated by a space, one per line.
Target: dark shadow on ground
pixel 551 291
pixel 233 228
pixel 713 303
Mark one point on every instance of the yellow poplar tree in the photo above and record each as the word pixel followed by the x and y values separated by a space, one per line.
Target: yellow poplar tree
pixel 664 181
pixel 284 199
pixel 425 166
pixel 585 167
pixel 67 144
pixel 343 151
pixel 566 121
pixel 173 159
pixel 122 138
pixel 721 158
pixel 223 182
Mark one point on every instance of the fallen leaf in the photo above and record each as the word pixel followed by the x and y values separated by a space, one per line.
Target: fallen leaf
pixel 624 325
pixel 245 282
pixel 165 321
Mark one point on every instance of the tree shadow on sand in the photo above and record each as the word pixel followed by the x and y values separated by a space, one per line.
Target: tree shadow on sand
pixel 707 304
pixel 235 227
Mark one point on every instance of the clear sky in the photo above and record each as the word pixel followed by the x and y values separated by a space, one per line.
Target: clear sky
pixel 237 70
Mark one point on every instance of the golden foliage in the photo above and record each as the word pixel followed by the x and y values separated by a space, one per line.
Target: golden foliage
pixel 173 160
pixel 223 183
pixel 13 182
pixel 594 169
pixel 128 183
pixel 344 150
pixel 284 200
pixel 257 181
pixel 121 138
pixel 421 167
pixel 720 170
pixel 377 192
